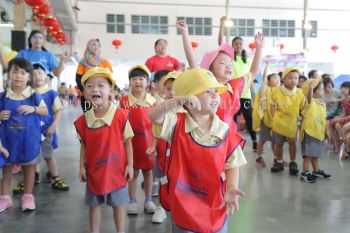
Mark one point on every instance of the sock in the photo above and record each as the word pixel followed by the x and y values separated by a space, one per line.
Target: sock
pixel 280 161
pixel 132 199
pixel 148 198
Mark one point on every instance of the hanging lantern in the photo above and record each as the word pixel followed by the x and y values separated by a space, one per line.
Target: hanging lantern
pixel 194 44
pixel 53 30
pixel 50 21
pixel 61 36
pixel 334 48
pixel 281 47
pixel 117 43
pixel 34 3
pixel 252 46
pixel 35 9
pixel 44 9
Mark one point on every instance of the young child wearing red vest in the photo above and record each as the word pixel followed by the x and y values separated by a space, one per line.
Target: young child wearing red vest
pixel 138 102
pixel 106 160
pixel 201 155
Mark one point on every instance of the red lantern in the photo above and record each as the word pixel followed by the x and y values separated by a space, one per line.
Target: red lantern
pixel 34 3
pixel 44 10
pixel 54 29
pixel 41 17
pixel 281 47
pixel 194 44
pixel 35 9
pixel 334 48
pixel 50 21
pixel 117 43
pixel 252 46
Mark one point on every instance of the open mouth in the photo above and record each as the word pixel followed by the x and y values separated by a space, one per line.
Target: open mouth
pixel 96 97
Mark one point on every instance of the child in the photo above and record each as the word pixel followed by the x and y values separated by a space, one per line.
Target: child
pixel 286 103
pixel 139 103
pixel 313 130
pixel 20 112
pixel 201 145
pixel 106 160
pixel 262 118
pixel 158 84
pixel 3 155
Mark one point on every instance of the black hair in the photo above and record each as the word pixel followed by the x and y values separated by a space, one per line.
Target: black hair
pixel 157 41
pixel 255 81
pixel 243 53
pixel 327 80
pixel 312 73
pixel 326 76
pixel 138 72
pixel 32 33
pixel 159 74
pixel 315 88
pixel 270 76
pixel 303 77
pixel 38 67
pixel 21 63
pixel 346 85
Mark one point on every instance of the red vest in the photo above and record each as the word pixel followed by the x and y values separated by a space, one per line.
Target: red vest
pixel 142 127
pixel 194 191
pixel 163 149
pixel 230 104
pixel 105 153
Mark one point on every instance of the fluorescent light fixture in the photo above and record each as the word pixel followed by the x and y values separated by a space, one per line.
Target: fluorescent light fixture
pixel 6 25
pixel 228 23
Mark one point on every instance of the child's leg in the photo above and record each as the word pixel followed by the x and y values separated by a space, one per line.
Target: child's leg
pixel 6 180
pixel 148 181
pixel 133 185
pixel 306 163
pixel 292 148
pixel 28 176
pixel 274 149
pixel 95 219
pixel 279 151
pixel 52 166
pixel 260 147
pixel 315 165
pixel 340 131
pixel 119 218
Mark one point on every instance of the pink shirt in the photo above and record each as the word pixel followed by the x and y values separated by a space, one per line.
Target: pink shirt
pixel 156 63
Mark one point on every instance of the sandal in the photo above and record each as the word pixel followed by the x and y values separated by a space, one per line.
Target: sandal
pixel 19 188
pixel 60 185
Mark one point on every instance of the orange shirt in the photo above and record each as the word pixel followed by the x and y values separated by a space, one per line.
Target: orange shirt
pixel 83 69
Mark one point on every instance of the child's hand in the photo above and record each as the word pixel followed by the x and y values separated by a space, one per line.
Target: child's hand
pixel 4 151
pixel 222 20
pixel 5 115
pixel 25 109
pixel 129 172
pixel 259 40
pixel 50 131
pixel 182 26
pixel 150 150
pixel 192 102
pixel 82 174
pixel 231 199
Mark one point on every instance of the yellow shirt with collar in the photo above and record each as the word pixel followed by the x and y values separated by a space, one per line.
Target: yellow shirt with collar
pixel 93 122
pixel 216 133
pixel 26 93
pixel 147 101
pixel 158 98
pixel 57 105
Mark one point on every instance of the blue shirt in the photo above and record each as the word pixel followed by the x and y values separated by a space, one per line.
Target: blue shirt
pixel 44 57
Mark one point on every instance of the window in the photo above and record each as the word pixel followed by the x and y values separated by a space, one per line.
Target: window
pixel 115 23
pixel 197 26
pixel 242 27
pixel 313 31
pixel 145 24
pixel 278 28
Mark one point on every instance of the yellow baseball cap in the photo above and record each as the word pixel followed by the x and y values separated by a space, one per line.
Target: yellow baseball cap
pixel 196 81
pixel 141 67
pixel 306 86
pixel 171 75
pixel 288 70
pixel 98 72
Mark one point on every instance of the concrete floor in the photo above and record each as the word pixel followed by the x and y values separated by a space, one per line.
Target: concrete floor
pixel 274 202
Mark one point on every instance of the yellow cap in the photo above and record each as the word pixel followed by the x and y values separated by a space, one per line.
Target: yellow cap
pixel 141 67
pixel 97 72
pixel 196 81
pixel 306 86
pixel 288 70
pixel 171 75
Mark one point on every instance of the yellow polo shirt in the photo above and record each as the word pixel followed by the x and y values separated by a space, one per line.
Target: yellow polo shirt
pixel 216 133
pixel 147 101
pixel 57 104
pixel 26 93
pixel 93 122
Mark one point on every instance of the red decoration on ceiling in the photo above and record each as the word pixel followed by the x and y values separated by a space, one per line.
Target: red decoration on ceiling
pixel 334 48
pixel 194 44
pixel 34 3
pixel 117 43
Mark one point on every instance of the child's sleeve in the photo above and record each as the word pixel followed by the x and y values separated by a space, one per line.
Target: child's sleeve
pixel 236 159
pixel 166 131
pixel 57 104
pixel 127 132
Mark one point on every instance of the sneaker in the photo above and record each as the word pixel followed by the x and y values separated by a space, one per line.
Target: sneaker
pixel 277 167
pixel 293 168
pixel 37 178
pixel 5 203
pixel 150 207
pixel 155 189
pixel 321 174
pixel 60 184
pixel 159 215
pixel 308 177
pixel 28 202
pixel 260 162
pixel 132 208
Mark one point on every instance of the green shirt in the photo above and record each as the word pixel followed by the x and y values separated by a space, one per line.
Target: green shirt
pixel 239 69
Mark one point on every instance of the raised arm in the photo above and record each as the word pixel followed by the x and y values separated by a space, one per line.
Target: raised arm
pixel 182 26
pixel 259 42
pixel 221 30
pixel 263 85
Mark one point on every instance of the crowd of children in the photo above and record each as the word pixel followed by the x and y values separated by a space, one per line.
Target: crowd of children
pixel 182 132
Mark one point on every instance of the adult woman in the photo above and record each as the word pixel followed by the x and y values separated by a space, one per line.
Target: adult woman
pixel 241 66
pixel 92 58
pixel 37 53
pixel 161 60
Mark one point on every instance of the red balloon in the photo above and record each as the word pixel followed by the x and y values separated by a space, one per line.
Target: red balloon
pixel 281 46
pixel 194 44
pixel 334 48
pixel 117 43
pixel 34 3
